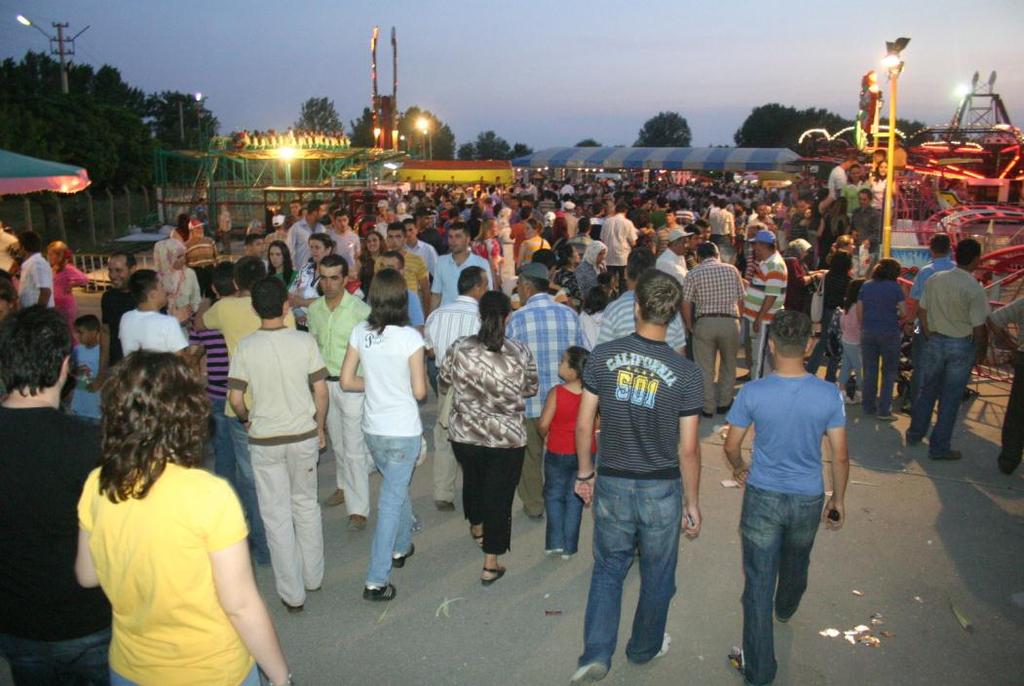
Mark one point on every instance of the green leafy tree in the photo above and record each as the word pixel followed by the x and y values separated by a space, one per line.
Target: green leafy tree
pixel 520 150
pixel 318 114
pixel 491 146
pixel 361 130
pixel 441 139
pixel 588 143
pixel 778 126
pixel 467 151
pixel 664 130
pixel 168 111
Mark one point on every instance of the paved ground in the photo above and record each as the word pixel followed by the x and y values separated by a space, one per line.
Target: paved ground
pixel 920 536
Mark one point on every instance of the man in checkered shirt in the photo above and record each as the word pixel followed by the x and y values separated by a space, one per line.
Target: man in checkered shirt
pixel 547 328
pixel 712 297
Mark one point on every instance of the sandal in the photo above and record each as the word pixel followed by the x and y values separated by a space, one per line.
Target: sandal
pixel 498 573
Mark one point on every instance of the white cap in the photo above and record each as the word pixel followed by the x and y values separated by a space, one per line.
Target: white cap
pixel 568 205
pixel 277 220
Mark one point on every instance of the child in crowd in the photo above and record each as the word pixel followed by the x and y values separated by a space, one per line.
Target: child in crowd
pixel 558 425
pixel 86 361
pixel 850 323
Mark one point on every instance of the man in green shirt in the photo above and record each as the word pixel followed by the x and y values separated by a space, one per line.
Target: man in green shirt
pixel 952 311
pixel 331 320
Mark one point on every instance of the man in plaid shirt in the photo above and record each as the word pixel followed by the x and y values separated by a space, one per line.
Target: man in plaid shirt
pixel 712 297
pixel 547 328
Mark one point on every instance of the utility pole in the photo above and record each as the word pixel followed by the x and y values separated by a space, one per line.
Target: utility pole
pixel 59 45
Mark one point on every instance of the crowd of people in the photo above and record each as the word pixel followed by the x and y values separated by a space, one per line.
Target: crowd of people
pixel 574 338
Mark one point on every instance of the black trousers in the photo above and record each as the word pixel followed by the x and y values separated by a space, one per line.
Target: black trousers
pixel 1013 422
pixel 489 478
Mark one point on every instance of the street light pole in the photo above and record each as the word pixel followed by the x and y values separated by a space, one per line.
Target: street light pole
pixel 894 64
pixel 59 45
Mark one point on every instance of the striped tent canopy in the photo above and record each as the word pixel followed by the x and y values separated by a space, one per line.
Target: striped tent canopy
pixel 677 159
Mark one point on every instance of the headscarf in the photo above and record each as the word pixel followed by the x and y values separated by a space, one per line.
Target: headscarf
pixel 594 249
pixel 164 254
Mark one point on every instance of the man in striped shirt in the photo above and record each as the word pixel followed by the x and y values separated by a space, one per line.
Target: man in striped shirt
pixel 217 363
pixel 765 296
pixel 547 328
pixel 619 320
pixel 445 325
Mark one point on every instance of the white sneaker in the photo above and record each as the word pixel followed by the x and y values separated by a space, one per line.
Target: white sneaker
pixel 666 643
pixel 553 551
pixel 588 674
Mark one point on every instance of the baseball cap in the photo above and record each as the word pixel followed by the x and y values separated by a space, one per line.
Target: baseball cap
pixel 568 205
pixel 765 236
pixel 194 224
pixel 534 270
pixel 675 234
pixel 277 220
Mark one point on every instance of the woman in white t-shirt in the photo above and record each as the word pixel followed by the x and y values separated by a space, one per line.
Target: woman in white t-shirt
pixel 393 376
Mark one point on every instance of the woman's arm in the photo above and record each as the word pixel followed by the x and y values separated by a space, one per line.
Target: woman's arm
pixel 417 374
pixel 236 590
pixel 349 381
pixel 85 570
pixel 548 413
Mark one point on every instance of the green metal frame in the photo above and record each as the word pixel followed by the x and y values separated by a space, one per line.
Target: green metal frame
pixel 237 178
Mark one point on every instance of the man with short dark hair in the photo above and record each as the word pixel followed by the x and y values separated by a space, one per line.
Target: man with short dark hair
pixel 417 277
pixel 346 241
pixel 114 303
pixel 547 328
pixel 940 246
pixel 619 320
pixel 52 631
pixel 446 272
pixel 395 259
pixel 285 426
pixel 649 398
pixel 145 327
pixel 332 318
pixel 301 230
pixel 619 234
pixel 952 311
pixel 866 221
pixel 254 245
pixel 784 494
pixel 712 296
pixel 35 286
pixel 425 251
pixel 447 323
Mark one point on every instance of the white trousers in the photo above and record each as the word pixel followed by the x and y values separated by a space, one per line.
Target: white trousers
pixel 762 358
pixel 352 463
pixel 286 486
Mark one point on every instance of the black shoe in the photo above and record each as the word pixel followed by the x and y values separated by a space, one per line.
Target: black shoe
pixel 444 505
pixel 291 608
pixel 1006 465
pixel 399 561
pixel 722 409
pixel 381 595
pixel 707 415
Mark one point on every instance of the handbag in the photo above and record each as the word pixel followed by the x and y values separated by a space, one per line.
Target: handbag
pixel 818 301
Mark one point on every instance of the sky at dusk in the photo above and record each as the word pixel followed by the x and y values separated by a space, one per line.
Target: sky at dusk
pixel 543 73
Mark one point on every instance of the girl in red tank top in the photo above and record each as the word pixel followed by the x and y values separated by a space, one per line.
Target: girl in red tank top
pixel 558 425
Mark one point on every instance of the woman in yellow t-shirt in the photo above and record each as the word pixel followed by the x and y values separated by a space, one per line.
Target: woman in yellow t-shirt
pixel 167 540
pixel 533 242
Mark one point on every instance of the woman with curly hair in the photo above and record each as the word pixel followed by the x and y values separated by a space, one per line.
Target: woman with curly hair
pixel 166 540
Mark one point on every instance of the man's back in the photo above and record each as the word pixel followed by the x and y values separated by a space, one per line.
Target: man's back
pixel 47 456
pixel 790 415
pixel 547 328
pixel 450 322
pixel 618 321
pixel 643 388
pixel 618 233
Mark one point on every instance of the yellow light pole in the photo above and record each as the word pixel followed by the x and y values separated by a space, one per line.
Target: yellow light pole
pixel 894 64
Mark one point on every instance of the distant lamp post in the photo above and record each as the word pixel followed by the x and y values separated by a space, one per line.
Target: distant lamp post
pixel 60 45
pixel 376 136
pixel 199 118
pixel 423 126
pixel 893 63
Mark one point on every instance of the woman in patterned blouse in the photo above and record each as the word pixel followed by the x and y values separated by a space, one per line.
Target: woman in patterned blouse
pixel 490 375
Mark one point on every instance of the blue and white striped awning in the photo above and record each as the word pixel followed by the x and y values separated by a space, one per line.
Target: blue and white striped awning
pixel 679 159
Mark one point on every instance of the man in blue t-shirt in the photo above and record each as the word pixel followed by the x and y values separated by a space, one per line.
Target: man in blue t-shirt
pixel 784 490
pixel 650 399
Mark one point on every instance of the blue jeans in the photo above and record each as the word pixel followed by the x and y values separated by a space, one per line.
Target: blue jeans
pixel 223 449
pixel 245 486
pixel 631 514
pixel 74 662
pixel 873 346
pixel 916 361
pixel 819 352
pixel 778 532
pixel 395 457
pixel 564 507
pixel 945 370
pixel 251 679
pixel 852 364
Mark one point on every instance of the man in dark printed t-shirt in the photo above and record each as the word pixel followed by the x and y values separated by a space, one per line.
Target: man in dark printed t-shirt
pixel 650 399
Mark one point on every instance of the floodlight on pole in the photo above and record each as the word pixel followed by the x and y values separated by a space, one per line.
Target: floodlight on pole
pixel 199 97
pixel 376 136
pixel 962 91
pixel 23 20
pixel 893 63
